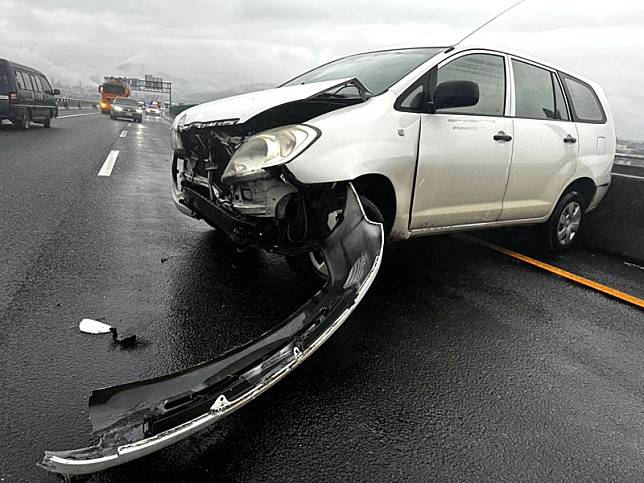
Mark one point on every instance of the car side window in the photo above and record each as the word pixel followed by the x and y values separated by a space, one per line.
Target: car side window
pixel 488 71
pixel 561 110
pixel 34 83
pixel 19 80
pixel 45 84
pixel 584 102
pixel 535 92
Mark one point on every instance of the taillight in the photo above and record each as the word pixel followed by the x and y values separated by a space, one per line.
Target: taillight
pixel 13 96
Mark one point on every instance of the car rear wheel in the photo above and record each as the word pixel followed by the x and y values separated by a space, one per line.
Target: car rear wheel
pixel 311 267
pixel 561 230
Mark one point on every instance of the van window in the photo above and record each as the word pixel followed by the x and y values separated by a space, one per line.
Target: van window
pixel 5 81
pixel 46 87
pixel 20 80
pixel 537 91
pixel 488 71
pixel 561 109
pixel 584 102
pixel 34 83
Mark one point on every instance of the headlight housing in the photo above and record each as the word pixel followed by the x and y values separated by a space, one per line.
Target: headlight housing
pixel 267 149
pixel 117 108
pixel 175 135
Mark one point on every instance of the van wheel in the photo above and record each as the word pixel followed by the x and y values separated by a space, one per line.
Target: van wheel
pixel 311 267
pixel 562 229
pixel 25 121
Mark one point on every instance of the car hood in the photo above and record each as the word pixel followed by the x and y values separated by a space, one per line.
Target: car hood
pixel 243 107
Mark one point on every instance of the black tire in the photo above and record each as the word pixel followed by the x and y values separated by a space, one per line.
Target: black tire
pixel 562 229
pixel 309 266
pixel 47 121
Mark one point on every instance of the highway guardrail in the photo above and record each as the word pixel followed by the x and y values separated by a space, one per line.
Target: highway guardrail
pixel 71 103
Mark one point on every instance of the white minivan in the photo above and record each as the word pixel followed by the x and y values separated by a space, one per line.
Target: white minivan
pixel 434 140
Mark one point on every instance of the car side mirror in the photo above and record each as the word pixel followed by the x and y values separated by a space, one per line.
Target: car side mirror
pixel 56 92
pixel 451 94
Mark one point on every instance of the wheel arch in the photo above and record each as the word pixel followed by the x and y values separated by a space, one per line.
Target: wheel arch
pixel 380 190
pixel 586 187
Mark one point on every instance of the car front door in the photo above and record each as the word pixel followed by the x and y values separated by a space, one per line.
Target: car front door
pixel 545 143
pixel 464 153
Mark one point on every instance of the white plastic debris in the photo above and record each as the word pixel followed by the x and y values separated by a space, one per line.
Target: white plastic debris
pixel 90 326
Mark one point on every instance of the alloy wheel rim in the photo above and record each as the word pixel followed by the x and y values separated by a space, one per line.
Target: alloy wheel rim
pixel 569 222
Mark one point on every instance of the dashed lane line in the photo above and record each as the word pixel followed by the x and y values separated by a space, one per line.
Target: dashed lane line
pixel 123 134
pixel 611 292
pixel 108 165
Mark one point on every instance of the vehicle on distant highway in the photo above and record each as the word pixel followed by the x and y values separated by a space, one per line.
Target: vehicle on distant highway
pixel 112 88
pixel 123 107
pixel 153 110
pixel 434 140
pixel 26 95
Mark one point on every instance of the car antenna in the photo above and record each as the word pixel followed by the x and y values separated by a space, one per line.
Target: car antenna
pixel 490 21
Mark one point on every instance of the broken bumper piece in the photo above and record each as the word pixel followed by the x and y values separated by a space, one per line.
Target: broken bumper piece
pixel 139 418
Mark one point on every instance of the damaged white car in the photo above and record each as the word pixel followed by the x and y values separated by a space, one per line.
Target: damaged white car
pixel 397 143
pixel 434 140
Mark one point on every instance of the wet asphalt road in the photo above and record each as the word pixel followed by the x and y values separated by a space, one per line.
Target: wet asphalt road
pixel 459 364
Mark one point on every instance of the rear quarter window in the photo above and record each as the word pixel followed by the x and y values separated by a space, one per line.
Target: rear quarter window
pixel 5 81
pixel 584 102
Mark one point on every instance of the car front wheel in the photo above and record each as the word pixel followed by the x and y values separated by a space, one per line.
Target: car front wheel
pixel 562 229
pixel 311 267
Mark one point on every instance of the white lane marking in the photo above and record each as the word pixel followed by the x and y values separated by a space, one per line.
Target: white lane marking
pixel 76 115
pixel 123 134
pixel 129 124
pixel 628 176
pixel 633 265
pixel 108 165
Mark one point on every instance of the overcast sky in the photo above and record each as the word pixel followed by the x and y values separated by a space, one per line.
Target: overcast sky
pixel 227 45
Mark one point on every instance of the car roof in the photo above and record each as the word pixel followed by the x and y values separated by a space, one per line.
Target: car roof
pixel 21 66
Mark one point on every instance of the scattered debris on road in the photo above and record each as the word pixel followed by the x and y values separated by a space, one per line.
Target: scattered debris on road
pixel 90 326
pixel 139 418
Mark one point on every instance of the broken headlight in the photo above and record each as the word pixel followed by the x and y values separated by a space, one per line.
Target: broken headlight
pixel 267 149
pixel 175 136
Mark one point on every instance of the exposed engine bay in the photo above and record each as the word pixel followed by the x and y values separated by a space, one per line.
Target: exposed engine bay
pixel 267 208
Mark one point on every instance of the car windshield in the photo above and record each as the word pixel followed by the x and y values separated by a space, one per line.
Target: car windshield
pixel 377 71
pixel 126 102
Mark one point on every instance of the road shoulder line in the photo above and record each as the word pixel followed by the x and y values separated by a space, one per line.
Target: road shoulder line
pixel 611 292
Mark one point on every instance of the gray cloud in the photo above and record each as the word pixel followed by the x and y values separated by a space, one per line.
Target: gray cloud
pixel 223 46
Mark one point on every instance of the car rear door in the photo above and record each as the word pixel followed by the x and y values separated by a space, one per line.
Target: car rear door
pixel 24 93
pixel 40 109
pixel 545 142
pixel 464 153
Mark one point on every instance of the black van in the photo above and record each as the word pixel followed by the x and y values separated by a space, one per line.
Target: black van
pixel 26 95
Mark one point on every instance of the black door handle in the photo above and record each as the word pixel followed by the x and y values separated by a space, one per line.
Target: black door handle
pixel 501 136
pixel 570 140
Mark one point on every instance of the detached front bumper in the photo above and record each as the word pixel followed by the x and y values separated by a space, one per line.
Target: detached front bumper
pixel 136 419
